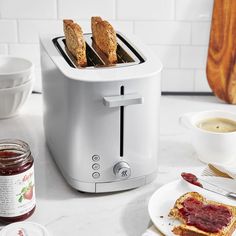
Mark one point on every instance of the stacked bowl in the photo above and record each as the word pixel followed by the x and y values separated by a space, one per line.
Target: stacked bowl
pixel 16 83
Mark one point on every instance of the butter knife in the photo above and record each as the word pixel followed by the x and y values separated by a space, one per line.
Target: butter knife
pixel 193 179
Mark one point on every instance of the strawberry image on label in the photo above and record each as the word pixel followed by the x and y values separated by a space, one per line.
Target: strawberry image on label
pixel 29 193
pixel 26 193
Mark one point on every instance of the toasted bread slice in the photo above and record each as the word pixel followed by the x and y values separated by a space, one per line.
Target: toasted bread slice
pixel 104 37
pixel 75 41
pixel 188 230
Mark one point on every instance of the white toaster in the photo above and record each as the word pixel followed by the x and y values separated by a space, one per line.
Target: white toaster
pixel 102 122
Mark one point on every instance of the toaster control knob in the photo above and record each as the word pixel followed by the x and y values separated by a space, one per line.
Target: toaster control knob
pixel 122 170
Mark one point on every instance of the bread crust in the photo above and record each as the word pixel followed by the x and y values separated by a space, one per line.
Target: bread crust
pixel 187 230
pixel 104 37
pixel 75 41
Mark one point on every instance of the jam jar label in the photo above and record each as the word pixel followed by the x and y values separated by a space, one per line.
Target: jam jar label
pixel 17 194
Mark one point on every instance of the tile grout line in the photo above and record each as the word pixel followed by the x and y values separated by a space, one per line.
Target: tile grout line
pixel 23 43
pixel 7 49
pixel 134 26
pixel 57 9
pixel 116 10
pixel 18 31
pixel 194 80
pixel 191 44
pixel 184 45
pixel 191 34
pixel 166 20
pixel 180 53
pixel 175 10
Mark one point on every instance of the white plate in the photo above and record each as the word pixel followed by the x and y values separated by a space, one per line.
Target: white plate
pixel 164 199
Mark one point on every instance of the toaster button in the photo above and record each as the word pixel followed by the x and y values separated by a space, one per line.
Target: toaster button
pixel 95 158
pixel 96 175
pixel 96 166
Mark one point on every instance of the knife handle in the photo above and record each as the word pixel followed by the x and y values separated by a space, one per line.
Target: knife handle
pixel 218 172
pixel 231 195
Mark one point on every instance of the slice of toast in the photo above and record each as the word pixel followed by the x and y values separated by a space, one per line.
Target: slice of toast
pixel 188 230
pixel 104 37
pixel 75 41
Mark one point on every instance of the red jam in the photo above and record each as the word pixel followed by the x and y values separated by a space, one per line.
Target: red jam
pixel 8 170
pixel 191 178
pixel 207 217
pixel 17 196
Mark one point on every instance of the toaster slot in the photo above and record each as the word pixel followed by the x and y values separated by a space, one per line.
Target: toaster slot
pixel 122 92
pixel 92 58
pixel 127 55
pixel 123 56
pixel 131 54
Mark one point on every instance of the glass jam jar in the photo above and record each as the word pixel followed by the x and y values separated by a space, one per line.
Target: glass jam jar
pixel 17 189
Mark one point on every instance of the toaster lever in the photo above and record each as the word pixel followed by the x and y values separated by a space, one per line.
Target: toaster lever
pixel 123 100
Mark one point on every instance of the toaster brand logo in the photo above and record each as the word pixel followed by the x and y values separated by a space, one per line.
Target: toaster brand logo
pixel 124 173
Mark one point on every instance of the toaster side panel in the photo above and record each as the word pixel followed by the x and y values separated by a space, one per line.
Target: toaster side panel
pixel 55 117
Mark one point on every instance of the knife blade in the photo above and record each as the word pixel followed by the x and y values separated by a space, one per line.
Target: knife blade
pixel 201 183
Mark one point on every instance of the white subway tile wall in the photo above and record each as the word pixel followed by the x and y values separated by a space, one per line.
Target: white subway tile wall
pixel 164 32
pixel 200 80
pixel 176 30
pixel 169 55
pixel 192 57
pixel 8 31
pixel 146 10
pixel 175 77
pixel 194 10
pixel 29 29
pixel 86 9
pixel 28 9
pixel 200 33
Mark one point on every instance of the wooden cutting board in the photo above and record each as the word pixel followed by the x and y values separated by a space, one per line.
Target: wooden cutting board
pixel 221 60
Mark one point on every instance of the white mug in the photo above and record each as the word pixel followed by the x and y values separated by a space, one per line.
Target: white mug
pixel 211 147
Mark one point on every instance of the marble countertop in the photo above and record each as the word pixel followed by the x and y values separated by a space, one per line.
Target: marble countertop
pixel 65 211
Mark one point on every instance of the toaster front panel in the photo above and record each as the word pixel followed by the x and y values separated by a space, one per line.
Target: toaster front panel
pixel 93 130
pixel 110 142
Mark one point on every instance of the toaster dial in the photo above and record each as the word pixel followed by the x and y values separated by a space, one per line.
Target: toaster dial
pixel 122 170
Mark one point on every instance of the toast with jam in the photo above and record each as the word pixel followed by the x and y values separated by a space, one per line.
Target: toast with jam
pixel 202 217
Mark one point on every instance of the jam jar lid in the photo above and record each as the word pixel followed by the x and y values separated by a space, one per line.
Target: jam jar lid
pixel 24 229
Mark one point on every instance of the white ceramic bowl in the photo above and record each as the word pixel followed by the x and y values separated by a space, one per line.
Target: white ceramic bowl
pixel 15 71
pixel 211 147
pixel 12 99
